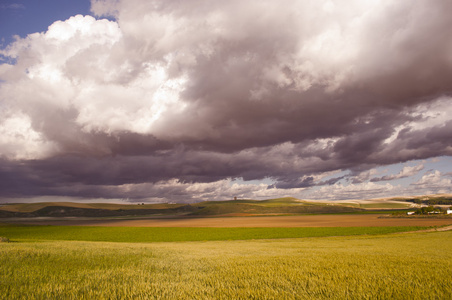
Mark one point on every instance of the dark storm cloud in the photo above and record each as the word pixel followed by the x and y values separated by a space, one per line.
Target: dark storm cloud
pixel 204 91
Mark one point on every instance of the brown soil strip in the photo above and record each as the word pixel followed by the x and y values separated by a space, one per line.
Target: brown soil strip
pixel 267 221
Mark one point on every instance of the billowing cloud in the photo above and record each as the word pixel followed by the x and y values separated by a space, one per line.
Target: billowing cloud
pixel 367 190
pixel 433 182
pixel 407 171
pixel 364 176
pixel 181 98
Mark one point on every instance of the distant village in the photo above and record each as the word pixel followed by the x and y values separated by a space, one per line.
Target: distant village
pixel 430 210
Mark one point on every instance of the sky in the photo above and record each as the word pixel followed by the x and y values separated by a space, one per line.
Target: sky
pixel 184 101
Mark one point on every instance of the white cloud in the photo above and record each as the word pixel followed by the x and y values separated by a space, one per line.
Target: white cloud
pixel 407 171
pixel 425 116
pixel 173 189
pixel 18 140
pixel 364 176
pixel 83 64
pixel 432 114
pixel 434 182
pixel 366 190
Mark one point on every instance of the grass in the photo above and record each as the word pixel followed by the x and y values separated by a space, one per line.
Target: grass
pixel 171 234
pixel 403 266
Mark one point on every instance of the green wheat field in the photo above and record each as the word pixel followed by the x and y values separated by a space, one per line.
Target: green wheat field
pixel 59 262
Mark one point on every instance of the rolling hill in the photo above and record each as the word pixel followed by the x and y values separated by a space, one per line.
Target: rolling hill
pixel 278 206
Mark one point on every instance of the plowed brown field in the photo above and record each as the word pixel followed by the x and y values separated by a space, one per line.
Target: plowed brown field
pixel 265 221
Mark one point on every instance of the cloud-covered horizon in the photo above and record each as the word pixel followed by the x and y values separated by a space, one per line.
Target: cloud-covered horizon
pixel 210 99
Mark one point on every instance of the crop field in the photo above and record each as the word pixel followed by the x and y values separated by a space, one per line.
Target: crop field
pixel 331 256
pixel 320 220
pixel 379 266
pixel 171 234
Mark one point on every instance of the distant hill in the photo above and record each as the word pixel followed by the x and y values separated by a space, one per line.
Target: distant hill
pixel 430 200
pixel 268 207
pixel 278 206
pixel 70 209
